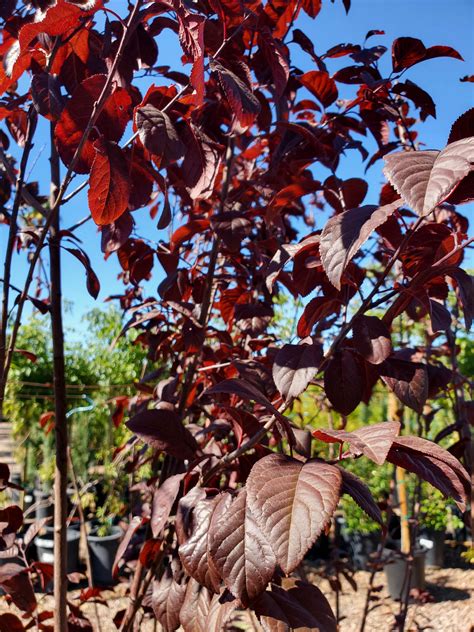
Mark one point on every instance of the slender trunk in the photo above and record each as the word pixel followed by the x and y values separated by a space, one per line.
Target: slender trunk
pixel 61 434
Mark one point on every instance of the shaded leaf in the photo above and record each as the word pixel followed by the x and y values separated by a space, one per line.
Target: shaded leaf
pixel 114 235
pixel 292 502
pixel 163 500
pixel 344 382
pixel 243 103
pixel 408 380
pixel 300 606
pixel 134 525
pixel 316 310
pixel 360 493
pixel 158 134
pixel 408 51
pixel 93 284
pixel 372 339
pixel 295 366
pixel 195 607
pixel 345 233
pixel 167 599
pixel 163 430
pixel 201 163
pixel 420 98
pixel 434 464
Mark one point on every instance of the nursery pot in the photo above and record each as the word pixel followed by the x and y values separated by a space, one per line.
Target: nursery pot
pixel 433 542
pixel 45 548
pixel 396 572
pixel 44 504
pixel 102 552
pixel 362 545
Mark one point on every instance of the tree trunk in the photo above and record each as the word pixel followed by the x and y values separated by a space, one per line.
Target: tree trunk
pixel 61 433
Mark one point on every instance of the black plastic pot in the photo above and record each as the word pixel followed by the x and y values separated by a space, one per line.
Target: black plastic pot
pixel 102 551
pixel 45 548
pixel 396 571
pixel 433 542
pixel 44 504
pixel 361 547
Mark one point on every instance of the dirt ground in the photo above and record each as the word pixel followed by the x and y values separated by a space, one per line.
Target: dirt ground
pixel 452 608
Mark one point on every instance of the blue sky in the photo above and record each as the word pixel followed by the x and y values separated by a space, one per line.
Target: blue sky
pixel 432 21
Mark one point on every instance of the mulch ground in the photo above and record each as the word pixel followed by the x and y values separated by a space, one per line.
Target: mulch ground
pixel 451 608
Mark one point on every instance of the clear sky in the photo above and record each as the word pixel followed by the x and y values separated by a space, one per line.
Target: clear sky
pixel 444 22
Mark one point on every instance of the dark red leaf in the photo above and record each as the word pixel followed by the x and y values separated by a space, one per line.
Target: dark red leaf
pixel 321 85
pixel 158 134
pixel 373 441
pixel 424 179
pixel 434 464
pixel 134 524
pixel 194 553
pixel 463 127
pixel 163 500
pixel 420 98
pixel 408 380
pixel 372 339
pixel 184 233
pixel 316 310
pixel 163 430
pixel 301 606
pixel 292 502
pixel 243 103
pixel 46 95
pixel 344 382
pixel 167 598
pixel 238 550
pixel 295 366
pixel 358 490
pixel 345 233
pixel 408 51
pixel 201 163
pixel 93 284
pixel 109 184
pixel 114 235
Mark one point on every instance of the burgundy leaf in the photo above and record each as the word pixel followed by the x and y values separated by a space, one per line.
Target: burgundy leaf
pixel 408 51
pixel 286 253
pixel 186 232
pixel 253 318
pixel 195 607
pixel 46 95
pixel 462 127
pixel 408 380
pixel 93 284
pixel 372 339
pixel 238 550
pixel 134 525
pixel 296 606
pixel 244 104
pixel 109 184
pixel 292 502
pixel 246 391
pixel 158 134
pixel 373 441
pixel 344 382
pixel 163 430
pixel 194 553
pixel 420 98
pixel 163 500
pixel 295 366
pixel 232 228
pixel 321 85
pixel 358 490
pixel 345 233
pixel 220 610
pixel 167 599
pixel 276 56
pixel 465 283
pixel 426 178
pixel 434 464
pixel 316 310
pixel 114 235
pixel 201 163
